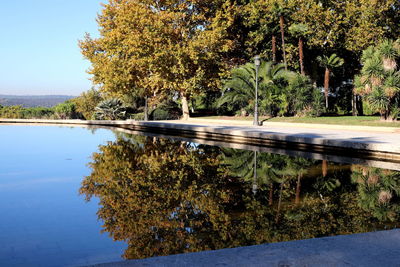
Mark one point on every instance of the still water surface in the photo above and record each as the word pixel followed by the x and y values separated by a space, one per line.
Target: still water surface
pixel 67 193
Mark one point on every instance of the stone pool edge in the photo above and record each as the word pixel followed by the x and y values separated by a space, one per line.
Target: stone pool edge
pixel 242 134
pixel 366 249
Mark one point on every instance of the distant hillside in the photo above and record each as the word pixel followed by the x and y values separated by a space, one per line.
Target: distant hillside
pixel 29 101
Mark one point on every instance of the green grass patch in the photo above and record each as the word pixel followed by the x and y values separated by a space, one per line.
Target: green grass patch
pixel 338 120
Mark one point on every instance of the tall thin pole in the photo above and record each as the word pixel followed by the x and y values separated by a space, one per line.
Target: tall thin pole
pixel 255 186
pixel 257 63
pixel 282 24
pixel 146 109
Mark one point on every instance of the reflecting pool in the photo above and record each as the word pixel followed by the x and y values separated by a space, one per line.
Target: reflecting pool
pixel 67 193
pixel 44 221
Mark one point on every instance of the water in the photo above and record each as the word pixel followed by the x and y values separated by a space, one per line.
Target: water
pixel 159 196
pixel 44 221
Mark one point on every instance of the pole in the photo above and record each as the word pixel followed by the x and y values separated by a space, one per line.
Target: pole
pixel 254 187
pixel 257 64
pixel 146 109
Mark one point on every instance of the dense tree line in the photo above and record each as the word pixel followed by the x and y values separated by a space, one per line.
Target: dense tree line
pixel 184 51
pixel 64 110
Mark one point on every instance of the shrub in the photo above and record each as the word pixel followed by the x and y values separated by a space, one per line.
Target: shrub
pixel 110 109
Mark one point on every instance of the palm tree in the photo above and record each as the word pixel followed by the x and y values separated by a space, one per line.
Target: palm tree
pixel 389 51
pixel 376 190
pixel 301 166
pixel 273 49
pixel 281 12
pixel 240 162
pixel 110 109
pixel 300 30
pixel 329 63
pixel 379 80
pixel 240 88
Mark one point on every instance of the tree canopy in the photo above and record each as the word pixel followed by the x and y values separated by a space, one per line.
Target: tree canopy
pixel 154 47
pixel 182 49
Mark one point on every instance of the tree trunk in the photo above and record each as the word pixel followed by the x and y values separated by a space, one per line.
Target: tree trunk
pixel 360 110
pixel 354 104
pixel 185 107
pixel 279 204
pixel 282 24
pixel 271 195
pixel 192 106
pixel 324 168
pixel 273 48
pixel 255 186
pixel 326 86
pixel 301 56
pixel 298 188
pixel 146 109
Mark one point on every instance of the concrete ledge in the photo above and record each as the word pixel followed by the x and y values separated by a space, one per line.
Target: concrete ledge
pixel 302 125
pixel 370 249
pixel 346 159
pixel 370 145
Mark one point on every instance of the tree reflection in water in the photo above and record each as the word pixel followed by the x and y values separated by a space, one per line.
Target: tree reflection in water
pixel 165 197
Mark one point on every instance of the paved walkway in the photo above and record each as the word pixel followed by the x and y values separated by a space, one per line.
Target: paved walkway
pixel 370 249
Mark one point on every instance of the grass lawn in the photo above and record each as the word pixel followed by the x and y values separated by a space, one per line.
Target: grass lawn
pixel 338 120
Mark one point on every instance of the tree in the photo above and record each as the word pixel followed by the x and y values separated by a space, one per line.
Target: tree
pixel 302 98
pixel 377 190
pixel 329 63
pixel 281 11
pixel 379 81
pixel 239 89
pixel 368 22
pixel 87 102
pixel 342 27
pixel 66 110
pixel 300 30
pixel 161 46
pixel 164 197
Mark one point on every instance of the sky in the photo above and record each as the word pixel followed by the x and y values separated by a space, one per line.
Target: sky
pixel 39 51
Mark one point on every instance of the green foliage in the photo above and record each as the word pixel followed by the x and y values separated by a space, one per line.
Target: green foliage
pixel 137 116
pixel 166 112
pixel 19 112
pixel 299 30
pixel 110 109
pixel 157 47
pixel 281 92
pixel 302 97
pixel 379 81
pixel 377 190
pixel 331 62
pixel 87 102
pixel 66 110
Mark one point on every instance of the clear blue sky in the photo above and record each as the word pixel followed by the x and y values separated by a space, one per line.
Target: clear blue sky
pixel 39 51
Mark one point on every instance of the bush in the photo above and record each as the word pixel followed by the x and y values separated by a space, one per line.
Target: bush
pixel 19 112
pixel 110 109
pixel 66 110
pixel 166 111
pixel 87 102
pixel 137 116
